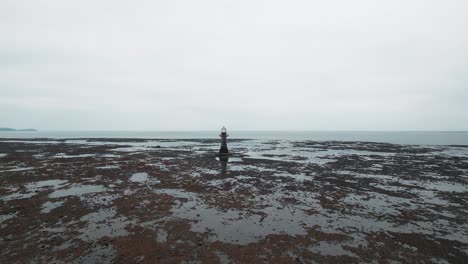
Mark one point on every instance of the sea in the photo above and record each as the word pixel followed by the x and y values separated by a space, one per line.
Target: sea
pixel 395 137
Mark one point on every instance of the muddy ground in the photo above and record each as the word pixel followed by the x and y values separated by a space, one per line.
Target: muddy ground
pixel 275 201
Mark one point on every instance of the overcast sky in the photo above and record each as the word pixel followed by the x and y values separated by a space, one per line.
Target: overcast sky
pixel 246 64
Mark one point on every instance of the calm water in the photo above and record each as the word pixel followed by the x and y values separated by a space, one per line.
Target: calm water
pixel 419 138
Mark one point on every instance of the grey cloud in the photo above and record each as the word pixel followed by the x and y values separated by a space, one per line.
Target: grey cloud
pixel 341 65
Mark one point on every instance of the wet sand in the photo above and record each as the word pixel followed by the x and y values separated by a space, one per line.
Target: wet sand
pixel 277 201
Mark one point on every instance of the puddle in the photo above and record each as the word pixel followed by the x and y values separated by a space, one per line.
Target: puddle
pixel 47 183
pixel 32 189
pixel 132 149
pixel 327 248
pixel 19 169
pixel 241 177
pixel 17 196
pixel 139 177
pixel 241 167
pixel 446 187
pixel 109 156
pixel 64 156
pixel 208 171
pixel 47 207
pixel 223 258
pixel 5 217
pixel 103 223
pixel 220 182
pixel 379 203
pixel 236 226
pixel 143 177
pixel 297 177
pixel 195 174
pixel 77 190
pixel 231 159
pixel 108 167
pixel 101 199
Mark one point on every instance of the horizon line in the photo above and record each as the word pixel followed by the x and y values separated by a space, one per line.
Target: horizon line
pixel 238 130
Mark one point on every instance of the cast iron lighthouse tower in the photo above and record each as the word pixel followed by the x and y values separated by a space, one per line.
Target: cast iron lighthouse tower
pixel 224 149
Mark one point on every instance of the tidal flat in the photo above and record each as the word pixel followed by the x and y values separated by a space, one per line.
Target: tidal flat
pixel 107 200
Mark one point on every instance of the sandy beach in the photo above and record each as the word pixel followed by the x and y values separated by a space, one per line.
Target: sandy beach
pixel 105 200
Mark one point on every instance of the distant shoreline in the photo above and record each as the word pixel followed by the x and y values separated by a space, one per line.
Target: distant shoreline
pixel 7 129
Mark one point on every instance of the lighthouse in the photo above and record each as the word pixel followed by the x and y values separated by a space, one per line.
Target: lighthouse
pixel 224 149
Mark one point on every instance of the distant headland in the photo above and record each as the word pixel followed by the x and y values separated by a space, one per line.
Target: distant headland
pixel 12 129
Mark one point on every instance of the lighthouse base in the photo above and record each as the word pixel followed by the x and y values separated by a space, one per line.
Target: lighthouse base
pixel 223 151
